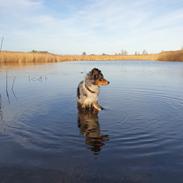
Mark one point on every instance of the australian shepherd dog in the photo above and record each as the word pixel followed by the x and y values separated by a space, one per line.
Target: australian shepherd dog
pixel 88 90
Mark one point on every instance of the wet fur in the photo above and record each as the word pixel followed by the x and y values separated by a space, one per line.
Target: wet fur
pixel 89 89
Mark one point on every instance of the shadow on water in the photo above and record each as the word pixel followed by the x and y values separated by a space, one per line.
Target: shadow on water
pixel 89 125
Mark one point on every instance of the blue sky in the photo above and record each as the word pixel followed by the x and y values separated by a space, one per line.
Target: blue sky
pixel 93 26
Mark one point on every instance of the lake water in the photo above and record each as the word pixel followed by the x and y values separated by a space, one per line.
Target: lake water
pixel 138 138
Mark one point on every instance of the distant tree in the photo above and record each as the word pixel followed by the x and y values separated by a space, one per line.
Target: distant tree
pixel 144 52
pixel 182 48
pixel 136 53
pixel 84 53
pixel 39 51
pixel 124 52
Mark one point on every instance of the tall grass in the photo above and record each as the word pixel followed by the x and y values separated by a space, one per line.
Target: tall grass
pixel 7 57
pixel 26 57
pixel 171 56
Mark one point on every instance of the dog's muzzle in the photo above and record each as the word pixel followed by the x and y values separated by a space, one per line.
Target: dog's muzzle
pixel 102 82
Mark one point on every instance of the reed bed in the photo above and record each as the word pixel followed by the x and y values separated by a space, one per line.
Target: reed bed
pixel 7 57
pixel 26 57
pixel 22 58
pixel 171 56
pixel 106 57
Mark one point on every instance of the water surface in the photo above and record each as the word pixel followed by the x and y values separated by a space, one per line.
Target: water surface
pixel 137 138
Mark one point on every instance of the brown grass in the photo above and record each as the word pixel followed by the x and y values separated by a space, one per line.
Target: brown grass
pixel 171 56
pixel 7 57
pixel 21 58
pixel 26 57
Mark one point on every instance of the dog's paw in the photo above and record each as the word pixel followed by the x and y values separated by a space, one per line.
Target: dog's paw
pixel 101 108
pixel 98 108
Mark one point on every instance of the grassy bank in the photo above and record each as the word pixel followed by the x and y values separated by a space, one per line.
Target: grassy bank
pixel 171 56
pixel 31 57
pixel 7 57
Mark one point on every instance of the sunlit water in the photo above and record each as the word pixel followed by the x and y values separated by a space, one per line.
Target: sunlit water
pixel 138 138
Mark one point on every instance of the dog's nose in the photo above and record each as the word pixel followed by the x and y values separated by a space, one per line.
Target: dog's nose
pixel 108 82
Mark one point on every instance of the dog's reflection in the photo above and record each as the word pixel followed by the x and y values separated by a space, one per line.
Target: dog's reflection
pixel 89 127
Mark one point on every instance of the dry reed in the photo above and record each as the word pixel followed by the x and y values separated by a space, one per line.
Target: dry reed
pixel 7 57
pixel 171 56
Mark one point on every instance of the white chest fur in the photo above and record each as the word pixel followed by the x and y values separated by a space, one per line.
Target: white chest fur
pixel 89 94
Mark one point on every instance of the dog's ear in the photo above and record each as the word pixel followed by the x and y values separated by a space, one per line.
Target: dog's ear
pixel 95 73
pixel 95 70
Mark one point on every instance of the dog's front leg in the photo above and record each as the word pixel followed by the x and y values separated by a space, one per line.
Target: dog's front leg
pixel 97 106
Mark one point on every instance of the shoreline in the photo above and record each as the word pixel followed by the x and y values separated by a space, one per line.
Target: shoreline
pixel 10 57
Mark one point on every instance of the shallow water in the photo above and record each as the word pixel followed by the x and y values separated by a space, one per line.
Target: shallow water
pixel 137 138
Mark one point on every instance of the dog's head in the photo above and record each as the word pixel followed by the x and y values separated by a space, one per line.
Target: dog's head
pixel 97 77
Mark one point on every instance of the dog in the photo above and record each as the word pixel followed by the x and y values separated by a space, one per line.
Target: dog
pixel 88 90
pixel 89 126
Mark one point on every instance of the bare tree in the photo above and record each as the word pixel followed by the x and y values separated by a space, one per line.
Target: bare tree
pixel 144 52
pixel 136 53
pixel 124 52
pixel 1 46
